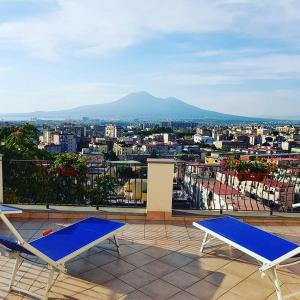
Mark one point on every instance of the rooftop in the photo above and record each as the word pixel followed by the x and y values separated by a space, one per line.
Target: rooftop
pixel 159 260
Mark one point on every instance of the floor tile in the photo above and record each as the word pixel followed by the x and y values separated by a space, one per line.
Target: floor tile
pixel 181 279
pixel 156 252
pixel 139 259
pixel 225 280
pixel 231 296
pixel 79 266
pixel 101 258
pixel 160 290
pixel 118 267
pixel 137 295
pixel 97 276
pixel 196 268
pixel 158 268
pixel 176 259
pixel 205 290
pixel 137 278
pixel 253 289
pixel 183 296
pixel 113 289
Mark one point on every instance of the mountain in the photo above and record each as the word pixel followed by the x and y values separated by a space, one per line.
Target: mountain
pixel 140 105
pixel 283 117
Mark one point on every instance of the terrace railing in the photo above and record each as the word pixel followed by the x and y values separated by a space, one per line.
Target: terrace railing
pixel 104 184
pixel 202 187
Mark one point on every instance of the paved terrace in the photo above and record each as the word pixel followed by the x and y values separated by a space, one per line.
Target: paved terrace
pixel 160 260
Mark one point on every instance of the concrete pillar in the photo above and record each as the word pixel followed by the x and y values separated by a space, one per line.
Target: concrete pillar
pixel 160 188
pixel 1 180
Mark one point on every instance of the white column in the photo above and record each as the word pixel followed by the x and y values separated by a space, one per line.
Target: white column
pixel 160 188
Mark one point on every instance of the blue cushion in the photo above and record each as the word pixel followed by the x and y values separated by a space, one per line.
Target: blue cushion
pixel 68 240
pixel 13 245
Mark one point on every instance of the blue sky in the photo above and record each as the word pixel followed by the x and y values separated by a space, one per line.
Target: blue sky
pixel 234 56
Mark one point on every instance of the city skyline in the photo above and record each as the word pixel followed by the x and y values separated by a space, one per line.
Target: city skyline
pixel 235 56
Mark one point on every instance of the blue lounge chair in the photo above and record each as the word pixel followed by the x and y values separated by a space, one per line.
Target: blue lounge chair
pixel 58 247
pixel 270 250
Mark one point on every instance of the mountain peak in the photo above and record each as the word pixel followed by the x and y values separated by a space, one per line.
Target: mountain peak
pixel 139 105
pixel 137 95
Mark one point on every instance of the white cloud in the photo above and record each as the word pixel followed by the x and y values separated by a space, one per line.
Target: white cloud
pixel 280 103
pixel 189 79
pixel 232 52
pixel 97 27
pixel 230 70
pixel 5 70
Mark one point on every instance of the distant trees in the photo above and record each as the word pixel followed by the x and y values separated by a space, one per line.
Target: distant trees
pixel 183 133
pixel 110 156
pixel 20 142
pixel 155 130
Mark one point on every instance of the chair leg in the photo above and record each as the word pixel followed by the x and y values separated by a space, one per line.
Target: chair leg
pixel 204 242
pixel 116 242
pixel 276 283
pixel 17 265
pixel 49 283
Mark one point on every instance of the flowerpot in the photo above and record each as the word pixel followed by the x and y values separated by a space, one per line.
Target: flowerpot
pixel 251 176
pixel 66 171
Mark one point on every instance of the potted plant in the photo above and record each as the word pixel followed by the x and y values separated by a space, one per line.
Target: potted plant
pixel 104 187
pixel 68 165
pixel 255 170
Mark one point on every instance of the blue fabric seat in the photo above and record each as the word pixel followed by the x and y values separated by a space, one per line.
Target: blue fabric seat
pixel 257 241
pixel 12 245
pixel 69 240
pixel 270 250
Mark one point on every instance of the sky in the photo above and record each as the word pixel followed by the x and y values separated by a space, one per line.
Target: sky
pixel 233 56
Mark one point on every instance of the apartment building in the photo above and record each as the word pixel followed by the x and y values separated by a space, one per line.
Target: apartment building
pixel 122 149
pixel 67 141
pixel 113 131
pixel 231 144
pixel 199 138
pixel 269 191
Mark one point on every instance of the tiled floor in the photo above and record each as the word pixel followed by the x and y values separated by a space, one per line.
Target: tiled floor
pixel 158 261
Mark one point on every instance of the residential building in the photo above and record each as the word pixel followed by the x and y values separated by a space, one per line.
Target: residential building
pixel 67 141
pixel 231 144
pixel 122 149
pixel 52 148
pixel 208 140
pixel 113 131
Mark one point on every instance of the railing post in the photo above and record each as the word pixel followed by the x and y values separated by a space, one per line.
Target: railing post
pixel 1 179
pixel 160 188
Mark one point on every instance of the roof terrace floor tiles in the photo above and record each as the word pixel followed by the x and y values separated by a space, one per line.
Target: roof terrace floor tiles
pixel 159 260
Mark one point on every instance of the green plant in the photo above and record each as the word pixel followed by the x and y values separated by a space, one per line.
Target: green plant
pixel 104 187
pixel 243 166
pixel 125 172
pixel 21 143
pixel 69 160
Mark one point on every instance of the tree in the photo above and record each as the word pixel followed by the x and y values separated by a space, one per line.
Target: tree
pixel 183 133
pixel 153 154
pixel 111 156
pixel 69 160
pixel 21 143
pixel 103 189
pixel 125 172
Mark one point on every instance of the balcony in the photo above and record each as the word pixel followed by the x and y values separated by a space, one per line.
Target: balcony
pixel 160 248
pixel 159 260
